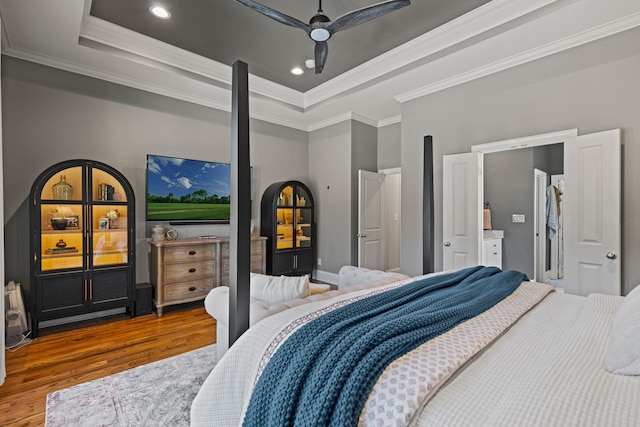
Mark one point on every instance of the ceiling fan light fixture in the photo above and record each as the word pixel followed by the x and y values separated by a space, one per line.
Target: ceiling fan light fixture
pixel 320 34
pixel 320 27
pixel 160 12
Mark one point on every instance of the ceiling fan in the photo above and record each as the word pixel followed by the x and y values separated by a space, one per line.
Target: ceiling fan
pixel 320 28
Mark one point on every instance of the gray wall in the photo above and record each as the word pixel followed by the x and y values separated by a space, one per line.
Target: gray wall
pixel 592 88
pixel 51 115
pixel 335 155
pixel 508 187
pixel 389 146
pixel 330 181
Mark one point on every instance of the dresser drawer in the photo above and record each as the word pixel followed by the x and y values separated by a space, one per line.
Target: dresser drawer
pixel 255 266
pixel 186 290
pixel 189 271
pixel 256 249
pixel 185 253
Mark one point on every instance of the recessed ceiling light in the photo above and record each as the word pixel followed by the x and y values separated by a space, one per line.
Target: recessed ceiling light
pixel 297 71
pixel 160 12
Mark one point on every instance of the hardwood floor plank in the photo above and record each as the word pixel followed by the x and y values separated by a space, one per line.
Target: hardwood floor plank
pixel 68 355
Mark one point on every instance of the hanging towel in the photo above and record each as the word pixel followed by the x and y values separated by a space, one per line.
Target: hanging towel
pixel 552 212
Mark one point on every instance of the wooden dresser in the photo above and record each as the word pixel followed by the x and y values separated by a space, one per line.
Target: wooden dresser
pixel 185 270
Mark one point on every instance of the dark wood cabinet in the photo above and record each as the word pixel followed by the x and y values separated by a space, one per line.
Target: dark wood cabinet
pixel 82 223
pixel 287 219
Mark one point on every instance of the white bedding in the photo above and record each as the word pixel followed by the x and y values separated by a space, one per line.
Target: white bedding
pixel 546 370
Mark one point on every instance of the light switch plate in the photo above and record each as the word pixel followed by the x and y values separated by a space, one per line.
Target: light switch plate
pixel 517 218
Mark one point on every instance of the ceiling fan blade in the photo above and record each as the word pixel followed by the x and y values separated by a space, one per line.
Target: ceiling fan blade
pixel 275 15
pixel 359 16
pixel 321 52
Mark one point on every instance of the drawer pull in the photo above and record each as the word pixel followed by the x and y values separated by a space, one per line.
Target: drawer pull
pixel 192 252
pixel 192 270
pixel 191 289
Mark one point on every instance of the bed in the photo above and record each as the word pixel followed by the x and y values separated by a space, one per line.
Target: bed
pixel 537 357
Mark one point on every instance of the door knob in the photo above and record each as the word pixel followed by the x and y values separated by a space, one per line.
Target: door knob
pixel 612 255
pixel 447 243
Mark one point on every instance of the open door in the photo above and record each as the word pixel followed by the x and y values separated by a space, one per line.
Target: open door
pixel 539 225
pixel 592 203
pixel 462 197
pixel 371 233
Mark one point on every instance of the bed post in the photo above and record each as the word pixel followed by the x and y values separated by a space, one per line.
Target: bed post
pixel 427 208
pixel 240 238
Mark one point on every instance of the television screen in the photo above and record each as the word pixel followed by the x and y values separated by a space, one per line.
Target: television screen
pixel 185 190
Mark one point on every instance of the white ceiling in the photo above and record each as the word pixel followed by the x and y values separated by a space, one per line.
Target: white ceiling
pixel 495 36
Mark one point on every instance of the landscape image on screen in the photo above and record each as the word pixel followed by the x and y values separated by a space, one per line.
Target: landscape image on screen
pixel 187 190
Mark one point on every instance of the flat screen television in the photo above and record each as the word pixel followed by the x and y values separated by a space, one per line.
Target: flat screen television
pixel 186 191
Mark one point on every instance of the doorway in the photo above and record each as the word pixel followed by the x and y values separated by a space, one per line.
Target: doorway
pixel 379 219
pixel 592 236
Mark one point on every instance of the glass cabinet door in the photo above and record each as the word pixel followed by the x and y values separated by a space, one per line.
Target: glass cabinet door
pixel 61 216
pixel 293 218
pixel 302 218
pixel 109 228
pixel 285 219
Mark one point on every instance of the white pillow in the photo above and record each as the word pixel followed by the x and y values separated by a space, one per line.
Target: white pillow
pixel 274 289
pixel 622 355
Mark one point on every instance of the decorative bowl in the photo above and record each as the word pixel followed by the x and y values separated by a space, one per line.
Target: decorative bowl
pixel 59 223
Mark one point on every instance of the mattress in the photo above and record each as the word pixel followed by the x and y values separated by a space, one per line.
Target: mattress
pixel 546 369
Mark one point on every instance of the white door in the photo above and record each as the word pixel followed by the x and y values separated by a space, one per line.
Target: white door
pixel 462 195
pixel 539 225
pixel 592 209
pixel 371 220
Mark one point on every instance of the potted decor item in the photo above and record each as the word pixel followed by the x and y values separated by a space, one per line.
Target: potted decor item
pixel 113 216
pixel 59 223
pixel 158 233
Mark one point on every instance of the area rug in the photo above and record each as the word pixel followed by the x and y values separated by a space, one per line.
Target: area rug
pixel 156 394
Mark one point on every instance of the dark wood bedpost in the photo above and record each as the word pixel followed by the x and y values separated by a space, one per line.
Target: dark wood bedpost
pixel 427 208
pixel 240 236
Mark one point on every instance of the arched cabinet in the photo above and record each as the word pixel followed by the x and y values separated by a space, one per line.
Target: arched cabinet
pixel 287 220
pixel 82 241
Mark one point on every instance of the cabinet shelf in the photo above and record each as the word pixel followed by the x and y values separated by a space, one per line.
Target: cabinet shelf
pixel 61 255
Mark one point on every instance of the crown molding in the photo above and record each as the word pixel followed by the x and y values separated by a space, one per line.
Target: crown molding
pixel 342 118
pixel 185 76
pixel 593 34
pixel 390 121
pixel 484 18
pixel 111 35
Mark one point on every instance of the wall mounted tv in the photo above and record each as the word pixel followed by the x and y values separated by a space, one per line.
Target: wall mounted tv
pixel 185 191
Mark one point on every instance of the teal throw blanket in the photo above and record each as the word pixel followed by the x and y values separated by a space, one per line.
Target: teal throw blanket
pixel 323 373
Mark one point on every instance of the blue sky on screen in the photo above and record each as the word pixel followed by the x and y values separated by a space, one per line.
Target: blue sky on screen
pixel 183 176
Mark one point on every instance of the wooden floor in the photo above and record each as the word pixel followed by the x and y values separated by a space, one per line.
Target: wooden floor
pixel 63 357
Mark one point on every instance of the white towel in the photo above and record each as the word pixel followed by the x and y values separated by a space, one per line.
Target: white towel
pixel 552 212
